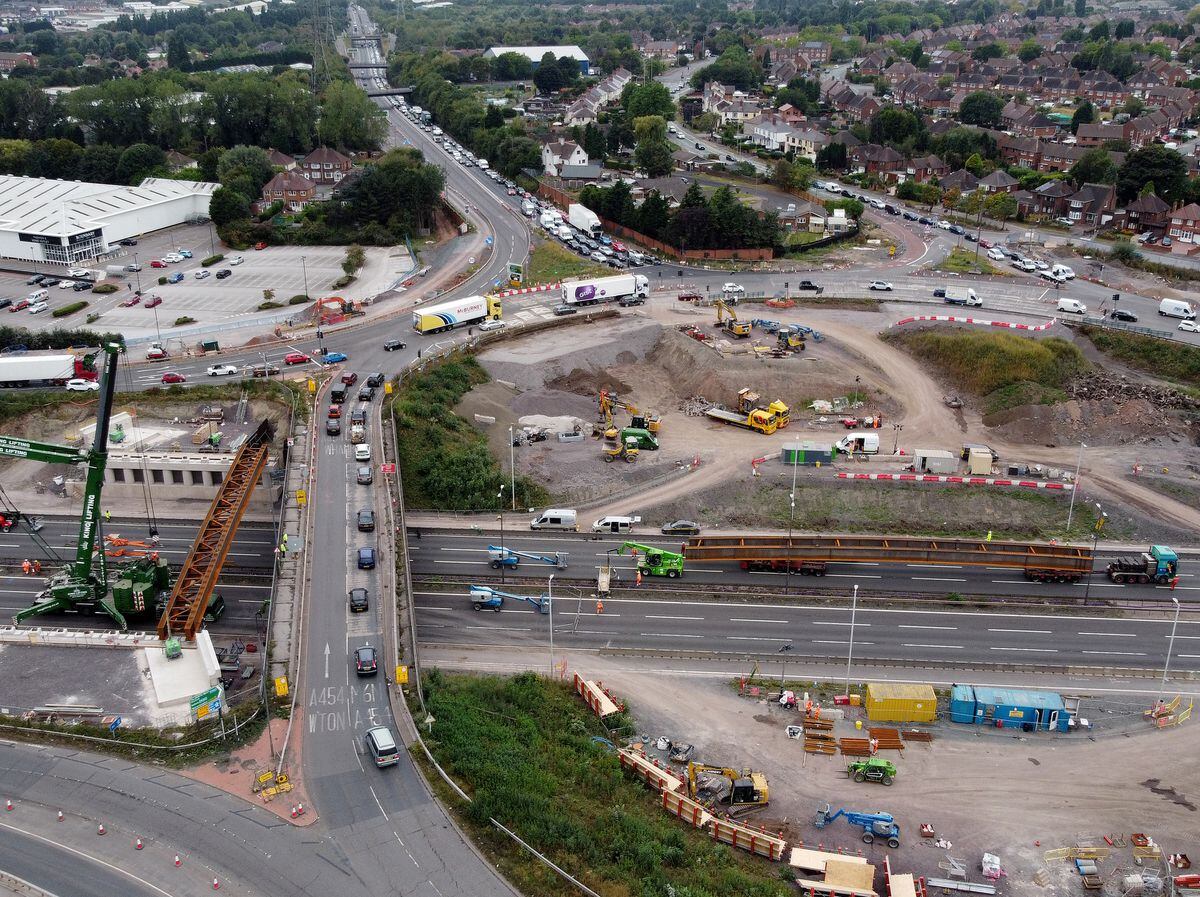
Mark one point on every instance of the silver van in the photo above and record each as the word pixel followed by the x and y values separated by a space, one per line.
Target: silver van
pixel 381 746
pixel 39 296
pixel 556 518
pixel 614 524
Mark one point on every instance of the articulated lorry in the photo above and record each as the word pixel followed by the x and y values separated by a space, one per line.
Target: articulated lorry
pixel 605 289
pixel 585 219
pixel 44 369
pixel 456 313
pixel 1041 562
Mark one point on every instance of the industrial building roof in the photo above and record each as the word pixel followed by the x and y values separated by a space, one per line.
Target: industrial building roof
pixel 535 54
pixel 1013 697
pixel 61 208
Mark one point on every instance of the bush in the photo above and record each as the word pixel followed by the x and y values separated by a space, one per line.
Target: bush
pixel 105 288
pixel 179 322
pixel 356 257
pixel 1161 357
pixel 212 260
pixel 93 317
pixel 69 310
pixel 300 300
pixel 162 281
pixel 344 281
pixel 267 306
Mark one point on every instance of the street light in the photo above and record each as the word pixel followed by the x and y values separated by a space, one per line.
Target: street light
pixel 791 520
pixel 137 272
pixel 512 467
pixel 850 652
pixel 1100 520
pixel 1170 648
pixel 550 604
pixel 503 549
pixel 896 428
pixel 304 269
pixel 1075 486
pixel 157 332
pixel 783 649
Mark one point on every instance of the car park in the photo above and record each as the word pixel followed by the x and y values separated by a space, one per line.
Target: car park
pixel 365 661
pixel 365 520
pixel 366 558
pixel 359 601
pixel 295 358
pixel 223 273
pixel 77 384
pixel 173 377
pixel 203 273
pixel 879 285
pixel 222 370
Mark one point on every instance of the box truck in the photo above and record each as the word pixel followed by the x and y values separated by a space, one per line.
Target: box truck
pixel 38 369
pixel 605 289
pixel 1174 308
pixel 959 296
pixel 456 313
pixel 859 443
pixel 584 218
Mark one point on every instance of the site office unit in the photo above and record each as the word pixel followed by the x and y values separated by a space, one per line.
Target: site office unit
pixel 1009 708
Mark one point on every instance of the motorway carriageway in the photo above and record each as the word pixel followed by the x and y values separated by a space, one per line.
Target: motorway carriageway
pixel 465 554
pixel 447 618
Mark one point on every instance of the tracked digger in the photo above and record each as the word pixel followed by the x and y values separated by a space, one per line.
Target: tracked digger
pixel 747 790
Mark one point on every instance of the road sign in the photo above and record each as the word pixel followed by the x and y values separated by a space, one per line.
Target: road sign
pixel 200 700
pixel 402 675
pixel 387 468
pixel 213 706
pixel 516 273
pixel 281 686
pixel 114 725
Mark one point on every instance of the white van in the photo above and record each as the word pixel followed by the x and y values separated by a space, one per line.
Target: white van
pixel 483 163
pixel 381 746
pixel 1171 308
pixel 859 443
pixel 615 524
pixel 555 518
pixel 362 452
pixel 1063 271
pixel 38 296
pixel 1072 306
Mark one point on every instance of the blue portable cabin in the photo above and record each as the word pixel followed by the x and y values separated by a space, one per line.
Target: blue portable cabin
pixel 1009 708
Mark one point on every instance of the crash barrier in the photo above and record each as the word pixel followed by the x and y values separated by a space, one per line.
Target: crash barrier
pixel 521 291
pixel 963 481
pixel 737 835
pixel 690 811
pixel 595 696
pixel 1009 325
pixel 649 771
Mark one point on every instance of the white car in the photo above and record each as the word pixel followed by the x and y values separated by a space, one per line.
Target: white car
pixel 172 257
pixel 944 225
pixel 38 307
pixel 66 284
pixel 733 288
pixel 222 370
pixel 203 273
pixel 880 285
pixel 1189 327
pixel 236 260
pixel 80 385
pixel 488 326
pixel 80 272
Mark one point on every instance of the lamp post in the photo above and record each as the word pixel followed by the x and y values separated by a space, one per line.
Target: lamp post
pixel 791 521
pixel 503 549
pixel 1075 486
pixel 1100 520
pixel 304 270
pixel 550 604
pixel 1170 648
pixel 896 428
pixel 137 272
pixel 157 332
pixel 850 652
pixel 512 468
pixel 783 649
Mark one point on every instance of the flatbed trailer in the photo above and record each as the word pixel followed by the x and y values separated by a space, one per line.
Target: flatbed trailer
pixel 757 420
pixel 1041 562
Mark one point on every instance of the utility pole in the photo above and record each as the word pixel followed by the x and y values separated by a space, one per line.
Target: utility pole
pixel 850 651
pixel 1075 486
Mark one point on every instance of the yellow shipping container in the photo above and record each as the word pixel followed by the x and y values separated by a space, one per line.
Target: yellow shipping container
pixel 901 703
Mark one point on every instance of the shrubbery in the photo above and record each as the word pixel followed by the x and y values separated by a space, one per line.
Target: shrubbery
pixel 105 288
pixel 212 260
pixel 68 309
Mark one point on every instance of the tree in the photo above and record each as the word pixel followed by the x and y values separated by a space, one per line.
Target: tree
pixel 981 108
pixel 647 99
pixel 245 168
pixel 228 205
pixel 138 162
pixel 1080 10
pixel 493 118
pixel 512 67
pixel 1165 167
pixel 735 67
pixel 1094 167
pixel 1124 29
pixel 650 127
pixel 893 126
pixel 654 158
pixel 706 122
pixel 177 52
pixel 548 78
pixel 1133 107
pixel 977 165
pixel 1029 50
pixel 1001 206
pixel 54 158
pixel 988 51
pixel 99 164
pixel 349 120
pixel 594 142
pixel 1084 115
pixel 833 157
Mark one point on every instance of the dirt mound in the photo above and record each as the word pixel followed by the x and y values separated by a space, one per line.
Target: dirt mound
pixel 587 381
pixel 1135 421
pixel 1121 389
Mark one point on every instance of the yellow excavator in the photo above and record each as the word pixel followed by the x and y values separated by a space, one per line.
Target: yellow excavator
pixel 610 401
pixel 750 401
pixel 747 789
pixel 727 320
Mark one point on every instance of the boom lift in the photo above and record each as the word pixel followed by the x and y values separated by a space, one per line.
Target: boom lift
pixel 499 556
pixel 873 825
pixel 654 561
pixel 732 326
pixel 747 789
pixel 486 597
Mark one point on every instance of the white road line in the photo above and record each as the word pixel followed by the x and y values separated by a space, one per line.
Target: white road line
pixel 1026 631
pixel 502 628
pixel 751 620
pixel 859 563
pixel 937 566
pixel 1116 653
pixel 668 635
pixel 1183 636
pixel 822 641
pixel 936 579
pixel 909 645
pixel 1027 650
pixel 751 638
pixel 1011 582
pixel 669 617
pixel 915 626
pixel 1111 634
pixel 854 576
pixel 835 623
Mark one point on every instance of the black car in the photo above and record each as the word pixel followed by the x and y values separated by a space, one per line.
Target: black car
pixel 366 520
pixel 80 285
pixel 366 558
pixel 1120 314
pixel 375 379
pixel 392 345
pixel 939 294
pixel 681 528
pixel 333 427
pixel 358 600
pixel 970 238
pixel 50 282
pixel 365 662
pixel 129 242
pixel 560 310
pixel 366 393
pixel 224 272
pixel 37 278
pixel 5 303
pixel 957 230
pixel 909 216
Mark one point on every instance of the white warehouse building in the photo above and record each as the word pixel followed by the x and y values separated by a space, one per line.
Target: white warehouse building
pixel 69 222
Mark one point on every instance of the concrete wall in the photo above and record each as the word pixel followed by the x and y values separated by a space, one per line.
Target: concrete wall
pixel 174 476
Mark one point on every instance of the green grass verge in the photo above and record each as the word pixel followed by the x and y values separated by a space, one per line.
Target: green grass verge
pixel 522 748
pixel 1177 362
pixel 550 263
pixel 1007 369
pixel 445 461
pixel 68 309
pixel 960 261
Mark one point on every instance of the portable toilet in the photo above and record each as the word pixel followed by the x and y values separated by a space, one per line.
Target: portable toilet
pixel 938 461
pixel 979 463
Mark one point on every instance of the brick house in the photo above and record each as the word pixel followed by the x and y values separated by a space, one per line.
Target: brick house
pixel 325 166
pixel 294 190
pixel 1048 200
pixel 962 181
pixel 1092 204
pixel 1147 213
pixel 925 168
pixel 281 160
pixel 9 61
pixel 1185 224
pixel 999 181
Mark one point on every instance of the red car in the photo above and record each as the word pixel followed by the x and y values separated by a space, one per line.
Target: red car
pixel 18 305
pixel 158 263
pixel 986 244
pixel 172 377
pixel 618 246
pixel 260 245
pixel 295 358
pixel 131 302
pixel 335 410
pixel 153 301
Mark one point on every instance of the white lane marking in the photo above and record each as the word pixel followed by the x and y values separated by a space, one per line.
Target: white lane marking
pixel 1111 634
pixel 854 576
pixel 1026 631
pixel 936 579
pixel 910 645
pixel 753 620
pixel 668 635
pixel 751 638
pixel 1026 650
pixel 937 566
pixel 502 628
pixel 378 803
pixel 836 623
pixel 1116 653
pixel 669 617
pixel 916 626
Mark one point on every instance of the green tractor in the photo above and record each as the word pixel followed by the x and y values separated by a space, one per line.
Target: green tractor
pixel 872 770
pixel 654 561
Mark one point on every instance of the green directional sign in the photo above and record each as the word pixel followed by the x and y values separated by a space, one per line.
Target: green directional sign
pixel 207 697
pixel 516 274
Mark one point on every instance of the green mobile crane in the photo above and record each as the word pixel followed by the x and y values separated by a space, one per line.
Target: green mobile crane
pixel 141 583
pixel 654 561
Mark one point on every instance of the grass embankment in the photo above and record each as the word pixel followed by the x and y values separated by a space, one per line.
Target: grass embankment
pixel 1177 362
pixel 960 261
pixel 444 460
pixel 1007 370
pixel 550 263
pixel 522 748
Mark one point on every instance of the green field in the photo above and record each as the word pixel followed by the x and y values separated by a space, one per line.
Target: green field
pixel 1177 362
pixel 550 263
pixel 962 261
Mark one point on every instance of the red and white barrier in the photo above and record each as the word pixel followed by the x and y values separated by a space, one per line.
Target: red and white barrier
pixel 521 291
pixel 685 808
pixel 1009 325
pixel 962 481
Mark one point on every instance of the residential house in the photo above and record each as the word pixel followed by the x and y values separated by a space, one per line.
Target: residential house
pixel 1147 213
pixel 1096 133
pixel 872 64
pixel 999 181
pixel 294 190
pixel 924 169
pixel 1048 200
pixel 588 105
pixel 576 176
pixel 9 61
pixel 660 49
pixel 817 52
pixel 768 130
pixel 809 216
pixel 1092 204
pixel 1023 151
pixel 325 166
pixel 791 114
pixel 962 181
pixel 685 160
pixel 672 189
pixel 271 46
pixel 1185 224
pixel 562 152
pixel 805 144
pixel 177 161
pixel 874 159
pixel 281 160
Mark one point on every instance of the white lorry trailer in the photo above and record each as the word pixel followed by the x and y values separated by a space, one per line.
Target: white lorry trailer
pixel 37 370
pixel 456 313
pixel 605 289
pixel 585 219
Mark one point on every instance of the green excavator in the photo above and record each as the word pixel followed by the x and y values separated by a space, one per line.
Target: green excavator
pixel 139 585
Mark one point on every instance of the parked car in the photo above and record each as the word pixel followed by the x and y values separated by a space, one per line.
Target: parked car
pixel 79 272
pixel 365 661
pixel 80 285
pixel 365 475
pixel 157 263
pixel 203 273
pixel 681 528
pixel 5 303
pixel 176 277
pixel 19 305
pixel 172 257
pixel 223 273
pixel 173 377
pixel 38 307
pixel 236 260
pixel 222 370
pixel 77 384
pixel 393 345
pixel 50 282
pixel 153 301
pixel 880 285
pixel 66 284
pixel 129 242
pixel 259 246
pixel 1122 314
pixel 130 302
